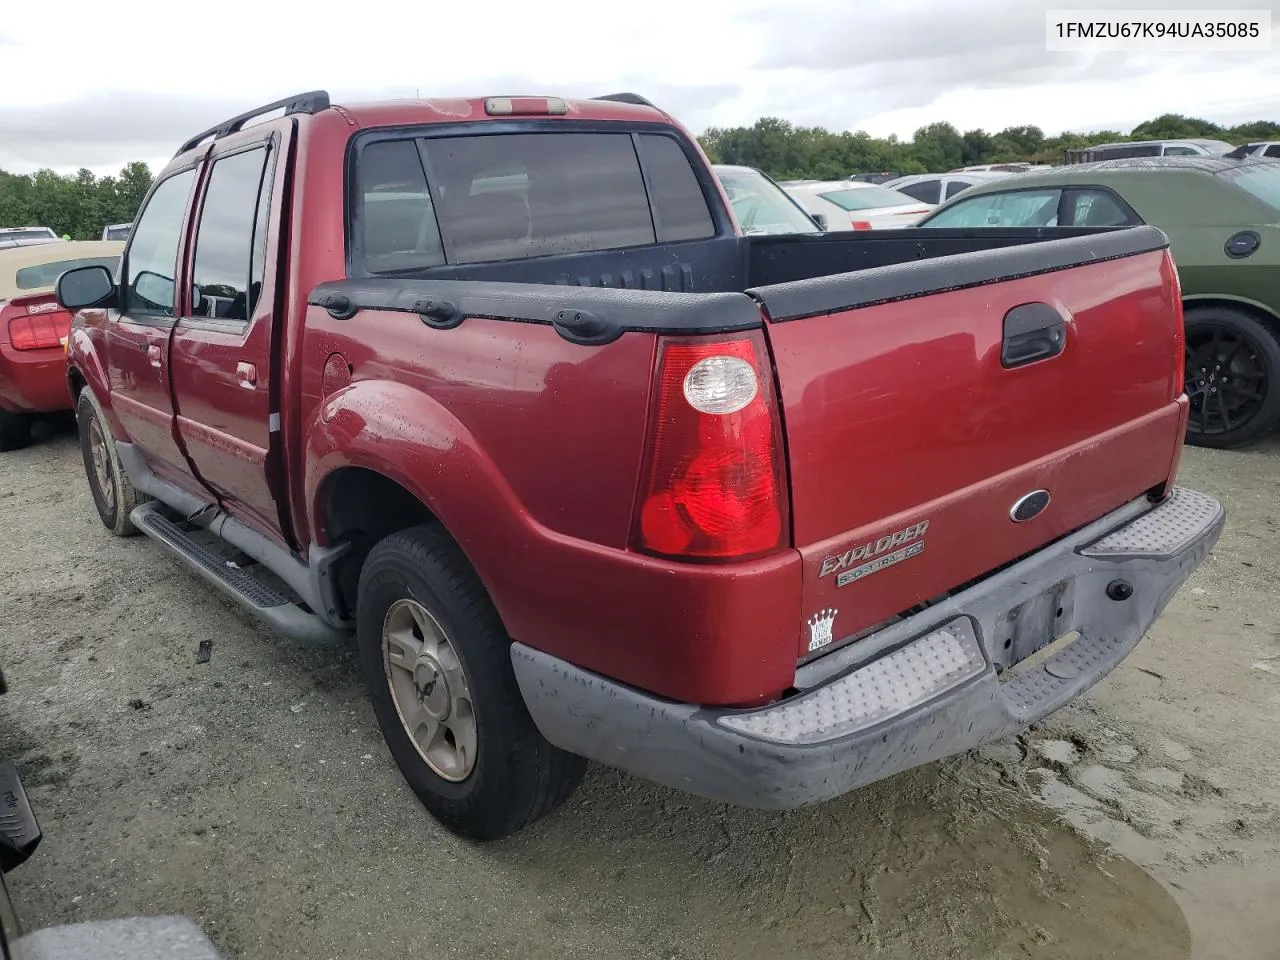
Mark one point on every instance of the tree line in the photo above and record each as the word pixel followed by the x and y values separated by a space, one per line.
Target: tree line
pixel 78 205
pixel 787 152
pixel 81 204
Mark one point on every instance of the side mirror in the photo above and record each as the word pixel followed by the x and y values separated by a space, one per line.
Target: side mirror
pixel 821 220
pixel 84 288
pixel 155 289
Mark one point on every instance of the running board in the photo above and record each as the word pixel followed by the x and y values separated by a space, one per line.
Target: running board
pixel 257 597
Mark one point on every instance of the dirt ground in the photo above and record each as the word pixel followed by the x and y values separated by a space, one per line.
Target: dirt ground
pixel 253 792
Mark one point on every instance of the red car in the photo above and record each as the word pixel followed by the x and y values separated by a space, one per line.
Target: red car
pixel 499 386
pixel 33 331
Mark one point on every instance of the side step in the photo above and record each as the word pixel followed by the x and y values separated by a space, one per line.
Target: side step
pixel 264 601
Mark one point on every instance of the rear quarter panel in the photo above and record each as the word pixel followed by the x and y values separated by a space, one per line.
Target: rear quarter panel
pixel 528 448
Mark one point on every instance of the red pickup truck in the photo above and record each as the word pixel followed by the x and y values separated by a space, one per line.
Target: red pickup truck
pixel 498 385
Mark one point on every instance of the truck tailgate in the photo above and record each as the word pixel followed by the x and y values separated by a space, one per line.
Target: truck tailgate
pixel 917 415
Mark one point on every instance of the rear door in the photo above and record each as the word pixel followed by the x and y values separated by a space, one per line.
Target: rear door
pixel 916 423
pixel 221 352
pixel 138 334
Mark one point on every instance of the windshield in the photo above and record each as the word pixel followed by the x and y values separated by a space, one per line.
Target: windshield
pixel 867 198
pixel 761 206
pixel 1262 182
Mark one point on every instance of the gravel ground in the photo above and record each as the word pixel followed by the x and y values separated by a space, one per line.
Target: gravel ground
pixel 253 792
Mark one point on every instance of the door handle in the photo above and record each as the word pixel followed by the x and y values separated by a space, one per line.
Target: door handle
pixel 1032 332
pixel 247 375
pixel 153 355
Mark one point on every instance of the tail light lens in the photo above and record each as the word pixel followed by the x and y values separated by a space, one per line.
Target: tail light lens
pixel 714 487
pixel 860 224
pixel 39 331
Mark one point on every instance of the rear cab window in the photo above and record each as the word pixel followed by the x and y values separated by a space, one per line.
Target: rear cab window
pixel 422 202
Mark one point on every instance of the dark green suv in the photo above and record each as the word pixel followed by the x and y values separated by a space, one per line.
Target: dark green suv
pixel 1222 217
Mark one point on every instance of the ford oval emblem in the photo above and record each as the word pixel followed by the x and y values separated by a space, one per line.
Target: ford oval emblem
pixel 1029 507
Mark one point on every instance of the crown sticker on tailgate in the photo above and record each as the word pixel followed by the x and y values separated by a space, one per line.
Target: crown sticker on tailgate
pixel 875 556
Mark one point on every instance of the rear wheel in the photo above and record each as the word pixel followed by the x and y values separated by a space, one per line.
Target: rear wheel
pixel 437 665
pixel 113 495
pixel 1232 377
pixel 15 431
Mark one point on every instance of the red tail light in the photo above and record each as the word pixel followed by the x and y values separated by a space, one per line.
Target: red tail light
pixel 861 224
pixel 39 331
pixel 714 487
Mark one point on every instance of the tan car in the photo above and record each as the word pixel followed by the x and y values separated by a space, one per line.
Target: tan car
pixel 33 330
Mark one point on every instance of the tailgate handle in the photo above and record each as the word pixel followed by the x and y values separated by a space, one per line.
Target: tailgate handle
pixel 1032 332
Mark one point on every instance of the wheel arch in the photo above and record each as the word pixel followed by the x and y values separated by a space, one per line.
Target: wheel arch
pixel 382 457
pixel 1259 311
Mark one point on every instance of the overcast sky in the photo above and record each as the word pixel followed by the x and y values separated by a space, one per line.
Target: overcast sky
pixel 101 86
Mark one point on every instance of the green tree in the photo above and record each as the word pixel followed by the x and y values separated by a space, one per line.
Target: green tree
pixel 1175 126
pixel 938 146
pixel 79 205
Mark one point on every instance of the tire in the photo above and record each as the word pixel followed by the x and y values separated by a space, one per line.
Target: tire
pixel 113 495
pixel 515 776
pixel 15 431
pixel 1232 377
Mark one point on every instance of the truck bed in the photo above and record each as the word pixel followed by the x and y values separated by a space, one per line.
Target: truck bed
pixel 736 264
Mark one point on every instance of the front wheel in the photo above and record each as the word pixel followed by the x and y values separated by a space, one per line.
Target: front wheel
pixel 114 495
pixel 1232 377
pixel 437 665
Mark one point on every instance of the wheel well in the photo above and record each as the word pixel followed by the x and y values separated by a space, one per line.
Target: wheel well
pixel 361 507
pixel 1258 313
pixel 76 381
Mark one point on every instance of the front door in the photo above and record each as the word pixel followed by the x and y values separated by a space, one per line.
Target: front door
pixel 221 350
pixel 138 334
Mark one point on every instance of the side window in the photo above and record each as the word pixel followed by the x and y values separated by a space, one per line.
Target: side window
pixel 225 242
pixel 926 191
pixel 679 208
pixel 258 265
pixel 1181 152
pixel 955 186
pixel 153 253
pixel 1273 150
pixel 1017 208
pixel 1097 208
pixel 394 219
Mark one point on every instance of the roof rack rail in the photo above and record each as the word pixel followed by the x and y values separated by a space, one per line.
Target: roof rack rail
pixel 313 101
pixel 626 98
